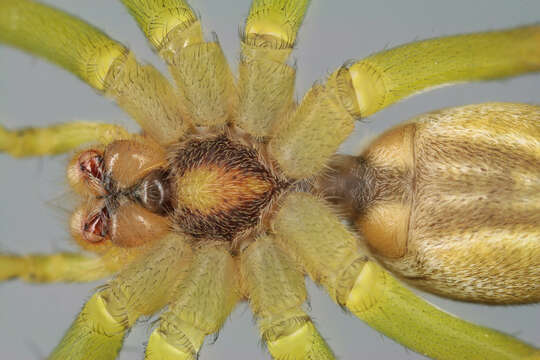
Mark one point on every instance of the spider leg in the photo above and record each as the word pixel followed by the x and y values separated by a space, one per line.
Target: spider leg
pixel 200 69
pixel 57 139
pixel 331 256
pixel 64 267
pixel 276 292
pixel 140 289
pixel 98 60
pixel 303 144
pixel 202 303
pixel 384 78
pixel 266 82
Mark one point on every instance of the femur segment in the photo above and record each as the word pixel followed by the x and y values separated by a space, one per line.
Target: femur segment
pixel 387 77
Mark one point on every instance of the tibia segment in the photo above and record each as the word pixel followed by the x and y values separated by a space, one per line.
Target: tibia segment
pixel 384 78
pixel 276 292
pixel 57 139
pixel 202 303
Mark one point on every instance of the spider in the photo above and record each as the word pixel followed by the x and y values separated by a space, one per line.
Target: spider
pixel 532 99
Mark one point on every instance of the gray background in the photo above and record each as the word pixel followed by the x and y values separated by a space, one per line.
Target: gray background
pixel 35 201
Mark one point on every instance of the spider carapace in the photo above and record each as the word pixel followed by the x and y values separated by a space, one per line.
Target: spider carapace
pixel 233 191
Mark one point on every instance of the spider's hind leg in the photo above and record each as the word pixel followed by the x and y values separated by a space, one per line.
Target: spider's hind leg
pixel 201 304
pixel 276 292
pixel 57 139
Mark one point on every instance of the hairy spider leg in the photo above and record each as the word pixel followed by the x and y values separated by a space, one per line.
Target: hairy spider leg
pixel 140 289
pixel 266 80
pixel 276 291
pixel 57 139
pixel 331 256
pixel 103 63
pixel 201 304
pixel 200 70
pixel 387 77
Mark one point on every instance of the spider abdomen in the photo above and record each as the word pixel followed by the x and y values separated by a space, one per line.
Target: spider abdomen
pixel 450 202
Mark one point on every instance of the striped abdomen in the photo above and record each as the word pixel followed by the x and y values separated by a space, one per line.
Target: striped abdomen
pixel 450 202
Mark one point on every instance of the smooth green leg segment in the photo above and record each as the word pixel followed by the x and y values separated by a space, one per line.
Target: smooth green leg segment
pixel 310 231
pixel 60 38
pixel 276 292
pixel 65 267
pixel 382 79
pixel 57 139
pixel 203 301
pixel 389 307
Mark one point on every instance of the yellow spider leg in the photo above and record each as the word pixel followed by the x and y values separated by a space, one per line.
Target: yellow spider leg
pixel 329 254
pixel 57 139
pixel 382 79
pixel 98 60
pixel 66 267
pixel 199 68
pixel 266 82
pixel 141 289
pixel 304 143
pixel 170 25
pixel 276 292
pixel 202 303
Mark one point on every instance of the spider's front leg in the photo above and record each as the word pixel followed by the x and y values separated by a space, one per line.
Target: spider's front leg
pixel 141 289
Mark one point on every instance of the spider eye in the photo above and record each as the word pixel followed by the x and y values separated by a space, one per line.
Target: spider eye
pixel 86 173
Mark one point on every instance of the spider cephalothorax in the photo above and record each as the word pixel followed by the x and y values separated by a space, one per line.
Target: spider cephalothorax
pixel 226 193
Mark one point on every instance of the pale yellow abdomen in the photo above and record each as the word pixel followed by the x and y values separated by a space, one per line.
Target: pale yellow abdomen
pixel 450 202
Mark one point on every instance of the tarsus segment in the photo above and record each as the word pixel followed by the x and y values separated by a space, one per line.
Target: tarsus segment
pixel 331 257
pixel 57 139
pixel 266 82
pixel 276 292
pixel 384 78
pixel 98 60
